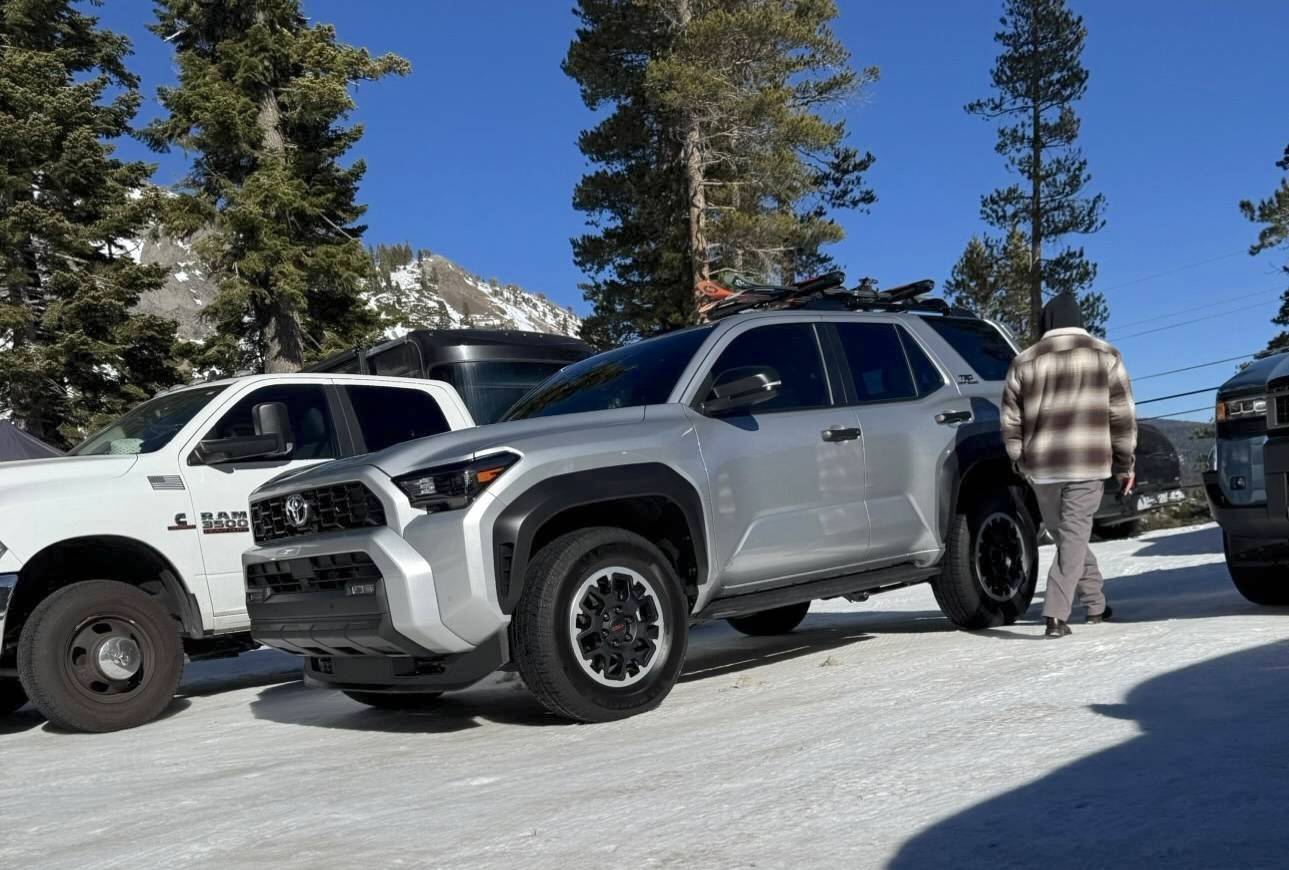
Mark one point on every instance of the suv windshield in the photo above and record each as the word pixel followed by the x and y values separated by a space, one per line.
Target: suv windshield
pixel 150 426
pixel 639 374
pixel 490 387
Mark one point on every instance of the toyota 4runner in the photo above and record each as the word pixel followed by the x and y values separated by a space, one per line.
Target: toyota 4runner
pixel 736 470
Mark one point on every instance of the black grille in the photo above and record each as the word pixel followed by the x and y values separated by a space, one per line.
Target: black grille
pixel 331 509
pixel 1280 419
pixel 312 574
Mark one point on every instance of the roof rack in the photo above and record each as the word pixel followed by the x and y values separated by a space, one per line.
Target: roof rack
pixel 827 293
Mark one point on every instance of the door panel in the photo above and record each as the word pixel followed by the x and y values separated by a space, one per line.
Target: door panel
pixel 785 501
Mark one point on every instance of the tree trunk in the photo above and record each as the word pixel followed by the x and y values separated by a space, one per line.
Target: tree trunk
pixel 283 342
pixel 1035 201
pixel 269 120
pixel 691 155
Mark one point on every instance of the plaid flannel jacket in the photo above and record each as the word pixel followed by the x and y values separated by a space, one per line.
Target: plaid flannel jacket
pixel 1068 412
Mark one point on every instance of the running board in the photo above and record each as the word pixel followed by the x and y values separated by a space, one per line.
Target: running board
pixel 880 580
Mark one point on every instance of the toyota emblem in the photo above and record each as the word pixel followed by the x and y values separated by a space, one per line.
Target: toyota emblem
pixel 297 511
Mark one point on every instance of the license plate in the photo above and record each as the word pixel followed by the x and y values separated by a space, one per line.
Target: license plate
pixel 1145 502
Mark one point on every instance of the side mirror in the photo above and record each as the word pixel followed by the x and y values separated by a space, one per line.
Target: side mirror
pixel 742 388
pixel 273 439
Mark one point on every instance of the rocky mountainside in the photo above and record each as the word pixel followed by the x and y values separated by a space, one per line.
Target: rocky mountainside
pixel 411 290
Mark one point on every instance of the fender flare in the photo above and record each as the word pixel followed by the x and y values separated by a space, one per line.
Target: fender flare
pixel 519 524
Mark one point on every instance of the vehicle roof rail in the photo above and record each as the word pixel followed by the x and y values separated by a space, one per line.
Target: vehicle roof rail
pixel 827 293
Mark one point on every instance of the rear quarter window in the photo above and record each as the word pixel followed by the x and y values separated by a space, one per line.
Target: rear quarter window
pixel 978 342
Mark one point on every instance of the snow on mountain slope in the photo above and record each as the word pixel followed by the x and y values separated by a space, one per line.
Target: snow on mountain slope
pixel 431 291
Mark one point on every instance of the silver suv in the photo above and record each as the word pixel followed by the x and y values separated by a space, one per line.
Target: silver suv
pixel 736 470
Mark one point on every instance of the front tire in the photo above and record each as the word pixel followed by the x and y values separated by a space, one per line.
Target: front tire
pixel 601 629
pixel 767 623
pixel 1267 586
pixel 12 697
pixel 100 656
pixel 990 562
pixel 397 700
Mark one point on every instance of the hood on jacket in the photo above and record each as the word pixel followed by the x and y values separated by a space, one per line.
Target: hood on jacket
pixel 1062 311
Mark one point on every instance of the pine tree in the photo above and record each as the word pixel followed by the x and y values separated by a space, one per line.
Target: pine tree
pixel 1273 213
pixel 262 100
pixel 992 280
pixel 1037 79
pixel 71 353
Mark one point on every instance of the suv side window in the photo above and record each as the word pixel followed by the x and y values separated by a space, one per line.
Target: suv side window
pixel 401 360
pixel 392 415
pixel 792 351
pixel 878 367
pixel 978 342
pixel 306 407
pixel 926 377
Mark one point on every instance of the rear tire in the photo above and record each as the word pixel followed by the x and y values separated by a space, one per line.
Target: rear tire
pixel 100 656
pixel 1267 586
pixel 767 623
pixel 990 562
pixel 12 697
pixel 397 700
pixel 601 628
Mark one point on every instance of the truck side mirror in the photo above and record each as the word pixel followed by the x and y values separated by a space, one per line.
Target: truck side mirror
pixel 273 439
pixel 742 388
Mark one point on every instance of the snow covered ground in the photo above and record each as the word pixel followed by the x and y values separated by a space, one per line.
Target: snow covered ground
pixel 874 736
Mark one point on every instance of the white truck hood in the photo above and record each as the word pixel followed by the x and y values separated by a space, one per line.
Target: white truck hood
pixel 29 479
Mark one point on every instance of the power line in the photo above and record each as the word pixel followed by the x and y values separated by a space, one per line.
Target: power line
pixel 1176 414
pixel 1173 271
pixel 1199 366
pixel 1175 396
pixel 1201 307
pixel 1176 325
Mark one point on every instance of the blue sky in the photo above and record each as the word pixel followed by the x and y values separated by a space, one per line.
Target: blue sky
pixel 473 155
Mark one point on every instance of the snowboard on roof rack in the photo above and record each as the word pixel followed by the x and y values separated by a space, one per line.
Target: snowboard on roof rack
pixel 824 293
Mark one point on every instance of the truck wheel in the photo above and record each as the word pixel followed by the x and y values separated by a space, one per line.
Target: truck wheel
pixel 397 700
pixel 780 620
pixel 1257 583
pixel 100 656
pixel 990 563
pixel 12 697
pixel 601 628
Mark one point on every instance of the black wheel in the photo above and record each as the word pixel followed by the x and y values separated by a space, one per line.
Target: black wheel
pixel 397 700
pixel 990 562
pixel 100 656
pixel 601 628
pixel 12 697
pixel 1118 531
pixel 780 620
pixel 1260 584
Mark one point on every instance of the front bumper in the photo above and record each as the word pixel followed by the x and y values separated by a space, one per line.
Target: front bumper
pixel 1250 528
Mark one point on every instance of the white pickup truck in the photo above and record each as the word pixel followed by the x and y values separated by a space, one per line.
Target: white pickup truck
pixel 124 557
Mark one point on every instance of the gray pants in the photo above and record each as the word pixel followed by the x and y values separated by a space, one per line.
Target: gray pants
pixel 1067 510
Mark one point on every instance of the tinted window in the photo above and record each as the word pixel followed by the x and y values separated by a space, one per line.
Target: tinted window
pixel 926 377
pixel 977 342
pixel 390 415
pixel 306 407
pixel 401 360
pixel 150 426
pixel 644 373
pixel 791 351
pixel 490 388
pixel 878 367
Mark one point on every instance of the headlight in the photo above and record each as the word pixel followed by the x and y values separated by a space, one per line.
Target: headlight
pixel 450 487
pixel 1241 409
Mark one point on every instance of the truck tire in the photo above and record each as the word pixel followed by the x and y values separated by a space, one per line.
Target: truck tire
pixel 990 562
pixel 100 656
pixel 601 627
pixel 1259 584
pixel 780 620
pixel 12 697
pixel 397 700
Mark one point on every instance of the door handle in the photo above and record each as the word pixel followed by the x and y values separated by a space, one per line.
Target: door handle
pixel 839 433
pixel 948 418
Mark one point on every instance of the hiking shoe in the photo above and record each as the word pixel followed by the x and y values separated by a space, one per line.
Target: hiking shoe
pixel 1057 628
pixel 1104 616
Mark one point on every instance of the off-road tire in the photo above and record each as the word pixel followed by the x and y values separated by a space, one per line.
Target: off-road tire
pixel 957 589
pixel 397 700
pixel 1260 584
pixel 767 623
pixel 46 652
pixel 12 697
pixel 543 643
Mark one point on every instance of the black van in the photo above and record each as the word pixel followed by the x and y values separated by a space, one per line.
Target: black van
pixel 490 368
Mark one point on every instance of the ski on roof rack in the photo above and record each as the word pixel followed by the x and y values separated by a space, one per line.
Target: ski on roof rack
pixel 824 293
